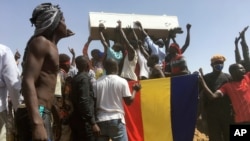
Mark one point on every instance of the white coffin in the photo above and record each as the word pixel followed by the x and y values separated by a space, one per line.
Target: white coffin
pixel 156 25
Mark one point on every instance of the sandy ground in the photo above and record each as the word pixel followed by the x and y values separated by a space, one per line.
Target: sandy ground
pixel 198 136
pixel 200 133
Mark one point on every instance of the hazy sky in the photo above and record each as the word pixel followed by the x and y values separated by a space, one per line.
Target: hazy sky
pixel 215 23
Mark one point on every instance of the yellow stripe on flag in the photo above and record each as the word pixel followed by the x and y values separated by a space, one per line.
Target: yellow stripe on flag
pixel 155 108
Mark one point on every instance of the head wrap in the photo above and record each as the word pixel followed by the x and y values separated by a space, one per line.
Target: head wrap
pixel 46 16
pixel 218 58
pixel 176 46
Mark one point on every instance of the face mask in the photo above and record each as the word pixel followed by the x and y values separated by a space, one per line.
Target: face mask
pixel 218 67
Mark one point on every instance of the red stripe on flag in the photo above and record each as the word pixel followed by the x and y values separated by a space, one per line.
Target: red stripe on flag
pixel 134 123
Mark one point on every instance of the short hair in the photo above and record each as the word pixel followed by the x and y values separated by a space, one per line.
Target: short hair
pixel 95 50
pixel 218 57
pixel 233 68
pixel 82 63
pixel 63 58
pixel 111 66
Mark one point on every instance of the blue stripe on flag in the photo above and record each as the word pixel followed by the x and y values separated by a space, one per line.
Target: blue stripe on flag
pixel 184 103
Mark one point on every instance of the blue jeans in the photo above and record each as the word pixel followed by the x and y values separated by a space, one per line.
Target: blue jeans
pixel 112 129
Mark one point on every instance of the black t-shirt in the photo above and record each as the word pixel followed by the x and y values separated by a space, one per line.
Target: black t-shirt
pixel 221 105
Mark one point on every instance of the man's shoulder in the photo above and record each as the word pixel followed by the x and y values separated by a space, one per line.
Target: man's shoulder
pixel 80 76
pixel 114 78
pixel 208 74
pixel 227 75
pixel 39 39
pixel 40 43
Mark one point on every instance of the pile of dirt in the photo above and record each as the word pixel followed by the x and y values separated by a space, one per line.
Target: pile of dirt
pixel 199 136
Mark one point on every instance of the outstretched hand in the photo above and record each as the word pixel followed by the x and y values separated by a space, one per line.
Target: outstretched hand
pixel 72 51
pixel 137 23
pixel 119 26
pixel 101 27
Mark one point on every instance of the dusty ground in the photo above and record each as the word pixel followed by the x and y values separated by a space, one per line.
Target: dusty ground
pixel 200 133
pixel 198 136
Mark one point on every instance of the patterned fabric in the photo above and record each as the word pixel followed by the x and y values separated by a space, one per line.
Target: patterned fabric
pixel 46 16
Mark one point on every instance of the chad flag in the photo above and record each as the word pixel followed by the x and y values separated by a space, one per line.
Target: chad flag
pixel 164 110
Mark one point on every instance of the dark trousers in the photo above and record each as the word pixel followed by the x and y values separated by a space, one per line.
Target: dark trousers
pixel 24 125
pixel 219 127
pixel 81 131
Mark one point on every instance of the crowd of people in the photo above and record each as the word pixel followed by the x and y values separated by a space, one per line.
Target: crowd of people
pixel 63 98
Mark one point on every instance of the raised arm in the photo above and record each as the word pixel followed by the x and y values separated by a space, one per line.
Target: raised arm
pixel 134 35
pixel 72 51
pixel 86 47
pixel 143 51
pixel 147 39
pixel 171 35
pixel 141 29
pixel 130 48
pixel 236 51
pixel 217 94
pixel 185 46
pixel 103 39
pixel 245 50
pixel 124 37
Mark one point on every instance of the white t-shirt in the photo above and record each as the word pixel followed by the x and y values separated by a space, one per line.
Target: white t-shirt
pixel 109 91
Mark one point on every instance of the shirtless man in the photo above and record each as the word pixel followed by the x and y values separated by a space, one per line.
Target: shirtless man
pixel 40 69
